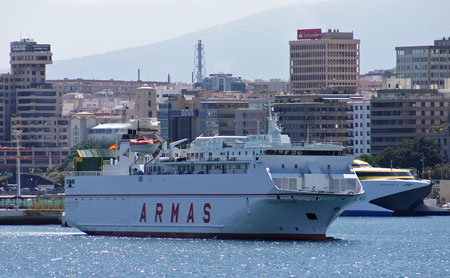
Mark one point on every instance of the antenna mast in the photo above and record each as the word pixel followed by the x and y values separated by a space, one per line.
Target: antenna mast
pixel 199 63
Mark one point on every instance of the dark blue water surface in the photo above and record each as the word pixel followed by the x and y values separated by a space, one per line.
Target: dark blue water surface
pixel 364 247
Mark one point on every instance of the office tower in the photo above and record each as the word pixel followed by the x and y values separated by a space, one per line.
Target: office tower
pixel 427 66
pixel 324 62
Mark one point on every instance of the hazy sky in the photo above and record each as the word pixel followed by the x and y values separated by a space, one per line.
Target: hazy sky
pixel 77 28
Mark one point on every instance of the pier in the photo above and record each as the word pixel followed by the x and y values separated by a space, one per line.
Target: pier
pixel 31 209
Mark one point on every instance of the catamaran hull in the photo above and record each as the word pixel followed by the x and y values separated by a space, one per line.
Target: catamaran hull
pixel 392 198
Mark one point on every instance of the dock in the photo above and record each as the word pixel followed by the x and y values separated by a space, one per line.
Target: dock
pixel 31 210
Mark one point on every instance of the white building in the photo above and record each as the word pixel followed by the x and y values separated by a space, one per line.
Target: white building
pixel 80 123
pixel 396 83
pixel 108 133
pixel 359 126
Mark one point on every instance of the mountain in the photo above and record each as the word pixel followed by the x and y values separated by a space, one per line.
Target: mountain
pixel 258 46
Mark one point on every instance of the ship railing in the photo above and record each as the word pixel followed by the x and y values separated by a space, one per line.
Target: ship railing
pixel 319 183
pixel 84 173
pixel 317 144
pixel 196 172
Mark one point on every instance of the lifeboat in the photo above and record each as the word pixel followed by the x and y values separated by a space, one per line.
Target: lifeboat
pixel 144 145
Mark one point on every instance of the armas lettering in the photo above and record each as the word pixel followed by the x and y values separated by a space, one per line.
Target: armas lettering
pixel 175 212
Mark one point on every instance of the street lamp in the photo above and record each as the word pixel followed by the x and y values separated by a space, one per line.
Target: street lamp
pixel 423 168
pixel 17 133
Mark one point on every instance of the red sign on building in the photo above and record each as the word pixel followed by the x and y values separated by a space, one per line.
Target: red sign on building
pixel 309 34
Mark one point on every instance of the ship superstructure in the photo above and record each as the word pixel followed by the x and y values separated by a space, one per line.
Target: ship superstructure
pixel 256 186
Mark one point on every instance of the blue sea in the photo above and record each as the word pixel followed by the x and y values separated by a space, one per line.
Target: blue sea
pixel 363 247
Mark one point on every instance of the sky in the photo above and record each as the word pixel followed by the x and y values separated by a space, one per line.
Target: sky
pixel 76 28
pixel 79 28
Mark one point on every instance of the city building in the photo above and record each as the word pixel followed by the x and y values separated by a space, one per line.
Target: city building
pixel 218 116
pixel 32 106
pixel 359 126
pixel 178 118
pixel 314 117
pixel 251 121
pixel 427 66
pixel 118 87
pixel 145 103
pixel 222 82
pixel 324 62
pixel 272 85
pixel 80 124
pixel 396 83
pixel 399 115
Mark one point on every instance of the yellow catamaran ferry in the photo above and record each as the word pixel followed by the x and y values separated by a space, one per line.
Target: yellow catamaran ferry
pixel 390 192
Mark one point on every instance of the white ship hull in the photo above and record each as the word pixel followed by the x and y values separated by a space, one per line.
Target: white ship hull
pixel 256 186
pixel 208 206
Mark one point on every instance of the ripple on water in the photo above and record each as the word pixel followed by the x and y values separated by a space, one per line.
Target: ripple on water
pixel 376 247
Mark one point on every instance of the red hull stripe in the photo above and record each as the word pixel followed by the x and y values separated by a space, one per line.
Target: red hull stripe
pixel 213 236
pixel 203 195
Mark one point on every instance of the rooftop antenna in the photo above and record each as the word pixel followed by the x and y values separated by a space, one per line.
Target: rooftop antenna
pixel 199 63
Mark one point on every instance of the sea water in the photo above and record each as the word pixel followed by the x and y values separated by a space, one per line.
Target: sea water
pixel 363 247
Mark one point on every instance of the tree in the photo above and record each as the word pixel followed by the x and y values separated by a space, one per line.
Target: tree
pixel 409 154
pixel 58 177
pixel 371 159
pixel 440 171
pixel 388 156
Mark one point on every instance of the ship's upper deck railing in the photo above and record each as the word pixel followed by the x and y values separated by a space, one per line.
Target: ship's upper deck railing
pixel 185 167
pixel 83 173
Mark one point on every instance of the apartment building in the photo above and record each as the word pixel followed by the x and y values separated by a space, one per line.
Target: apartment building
pixel 32 106
pixel 399 115
pixel 359 126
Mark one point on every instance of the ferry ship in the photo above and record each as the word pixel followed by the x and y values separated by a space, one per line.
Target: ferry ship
pixel 390 192
pixel 231 187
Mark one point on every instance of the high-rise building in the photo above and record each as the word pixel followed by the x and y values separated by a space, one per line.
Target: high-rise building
pixel 324 62
pixel 399 115
pixel 31 105
pixel 427 66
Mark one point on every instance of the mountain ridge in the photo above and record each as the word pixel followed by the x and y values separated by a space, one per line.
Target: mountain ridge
pixel 257 46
